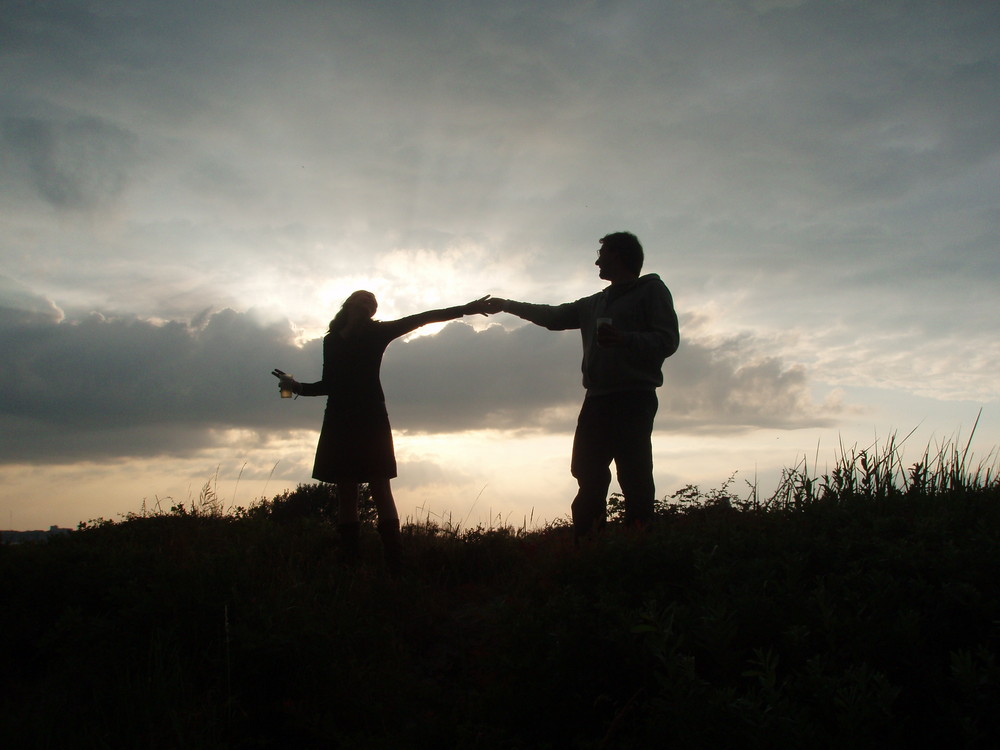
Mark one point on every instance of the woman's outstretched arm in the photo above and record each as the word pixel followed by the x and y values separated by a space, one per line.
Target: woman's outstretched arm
pixel 403 326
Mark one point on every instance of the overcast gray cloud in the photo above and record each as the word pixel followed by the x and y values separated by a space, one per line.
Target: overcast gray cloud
pixel 806 140
pixel 78 164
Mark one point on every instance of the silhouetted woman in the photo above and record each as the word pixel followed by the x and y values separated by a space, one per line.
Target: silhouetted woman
pixel 355 444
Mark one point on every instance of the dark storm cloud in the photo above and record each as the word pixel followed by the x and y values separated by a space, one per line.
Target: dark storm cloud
pixel 721 387
pixel 519 379
pixel 101 388
pixel 19 305
pixel 530 379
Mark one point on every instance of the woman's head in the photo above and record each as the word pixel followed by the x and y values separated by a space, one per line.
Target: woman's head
pixel 363 301
pixel 361 305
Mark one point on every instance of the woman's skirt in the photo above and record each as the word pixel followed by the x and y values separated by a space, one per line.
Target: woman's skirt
pixel 355 444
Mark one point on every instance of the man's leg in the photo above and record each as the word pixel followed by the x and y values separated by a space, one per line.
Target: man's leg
pixel 634 413
pixel 590 465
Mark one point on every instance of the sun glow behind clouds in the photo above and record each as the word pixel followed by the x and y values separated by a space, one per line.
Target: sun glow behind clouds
pixel 405 280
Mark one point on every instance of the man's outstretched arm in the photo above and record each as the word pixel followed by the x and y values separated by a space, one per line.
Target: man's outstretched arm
pixel 553 317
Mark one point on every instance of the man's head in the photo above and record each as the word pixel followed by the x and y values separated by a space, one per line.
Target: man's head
pixel 620 257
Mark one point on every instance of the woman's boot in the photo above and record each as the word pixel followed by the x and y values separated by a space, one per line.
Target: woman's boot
pixel 350 542
pixel 392 545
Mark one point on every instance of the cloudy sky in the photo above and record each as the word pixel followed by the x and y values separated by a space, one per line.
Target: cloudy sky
pixel 189 190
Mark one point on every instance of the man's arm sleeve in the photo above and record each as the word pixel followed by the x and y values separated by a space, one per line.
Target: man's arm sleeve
pixel 554 317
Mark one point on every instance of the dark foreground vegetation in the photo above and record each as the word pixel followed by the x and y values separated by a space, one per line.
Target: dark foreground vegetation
pixel 858 609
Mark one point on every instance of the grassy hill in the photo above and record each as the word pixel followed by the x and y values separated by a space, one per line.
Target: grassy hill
pixel 859 609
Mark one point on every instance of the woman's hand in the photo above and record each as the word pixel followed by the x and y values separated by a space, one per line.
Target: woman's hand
pixel 483 306
pixel 286 383
pixel 495 304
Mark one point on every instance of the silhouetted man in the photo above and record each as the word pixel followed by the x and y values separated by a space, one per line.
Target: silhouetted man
pixel 628 330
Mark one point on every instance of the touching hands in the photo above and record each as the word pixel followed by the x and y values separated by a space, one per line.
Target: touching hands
pixel 495 304
pixel 484 306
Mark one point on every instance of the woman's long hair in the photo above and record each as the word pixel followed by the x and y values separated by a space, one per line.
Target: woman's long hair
pixel 339 321
pixel 342 319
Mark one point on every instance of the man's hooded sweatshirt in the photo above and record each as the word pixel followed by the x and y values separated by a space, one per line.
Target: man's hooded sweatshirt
pixel 641 310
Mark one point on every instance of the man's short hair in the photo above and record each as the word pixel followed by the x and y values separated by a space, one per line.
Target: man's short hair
pixel 628 247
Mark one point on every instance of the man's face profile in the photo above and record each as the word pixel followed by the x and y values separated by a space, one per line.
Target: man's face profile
pixel 609 263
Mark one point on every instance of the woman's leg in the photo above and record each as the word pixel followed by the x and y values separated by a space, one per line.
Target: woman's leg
pixel 347 521
pixel 385 504
pixel 388 524
pixel 347 502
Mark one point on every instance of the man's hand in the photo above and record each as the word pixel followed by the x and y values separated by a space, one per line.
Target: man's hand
pixel 608 335
pixel 481 306
pixel 495 305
